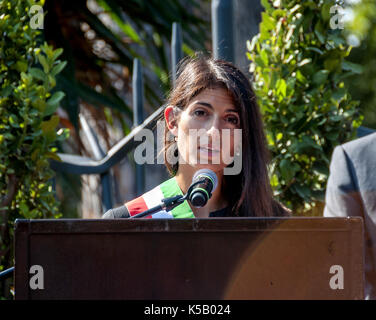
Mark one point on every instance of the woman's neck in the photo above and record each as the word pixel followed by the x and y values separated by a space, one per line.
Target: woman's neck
pixel 217 201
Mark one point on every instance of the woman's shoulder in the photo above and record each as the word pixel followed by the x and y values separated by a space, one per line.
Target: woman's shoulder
pixel 168 188
pixel 149 199
pixel 132 207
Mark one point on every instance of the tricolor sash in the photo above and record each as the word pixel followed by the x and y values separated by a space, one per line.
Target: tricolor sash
pixel 152 198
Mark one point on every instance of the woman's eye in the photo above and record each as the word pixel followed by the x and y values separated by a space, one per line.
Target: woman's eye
pixel 233 120
pixel 199 113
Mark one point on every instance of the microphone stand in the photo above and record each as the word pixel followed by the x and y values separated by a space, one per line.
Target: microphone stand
pixel 167 203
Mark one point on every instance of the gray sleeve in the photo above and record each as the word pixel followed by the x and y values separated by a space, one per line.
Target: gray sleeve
pixel 108 215
pixel 342 196
pixel 117 213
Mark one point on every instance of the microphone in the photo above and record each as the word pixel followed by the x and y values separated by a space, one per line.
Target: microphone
pixel 200 193
pixel 204 182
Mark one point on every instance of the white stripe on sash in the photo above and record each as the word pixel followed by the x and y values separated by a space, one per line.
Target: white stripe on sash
pixel 153 198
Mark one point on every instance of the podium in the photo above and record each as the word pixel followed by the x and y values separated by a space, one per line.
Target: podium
pixel 213 258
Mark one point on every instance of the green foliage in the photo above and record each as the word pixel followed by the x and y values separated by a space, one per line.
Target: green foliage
pixel 299 69
pixel 100 40
pixel 28 126
pixel 124 30
pixel 362 86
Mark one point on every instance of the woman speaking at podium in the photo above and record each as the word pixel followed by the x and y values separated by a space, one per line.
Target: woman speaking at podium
pixel 212 121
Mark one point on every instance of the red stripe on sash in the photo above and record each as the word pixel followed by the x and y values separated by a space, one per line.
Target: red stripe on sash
pixel 136 206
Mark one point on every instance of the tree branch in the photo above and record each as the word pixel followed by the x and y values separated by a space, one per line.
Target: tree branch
pixel 12 188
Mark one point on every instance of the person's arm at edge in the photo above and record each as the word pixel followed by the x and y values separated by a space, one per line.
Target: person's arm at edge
pixel 342 196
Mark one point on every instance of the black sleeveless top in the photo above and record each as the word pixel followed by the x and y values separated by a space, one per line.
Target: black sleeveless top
pixel 225 212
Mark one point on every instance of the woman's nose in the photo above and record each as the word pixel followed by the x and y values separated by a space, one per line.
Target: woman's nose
pixel 214 129
pixel 214 125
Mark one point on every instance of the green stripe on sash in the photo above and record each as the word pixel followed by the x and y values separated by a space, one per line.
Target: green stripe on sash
pixel 171 188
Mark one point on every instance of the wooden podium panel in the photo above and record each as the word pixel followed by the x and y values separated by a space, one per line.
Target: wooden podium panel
pixel 214 258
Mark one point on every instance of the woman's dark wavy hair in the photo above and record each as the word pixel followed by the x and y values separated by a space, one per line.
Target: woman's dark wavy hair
pixel 248 193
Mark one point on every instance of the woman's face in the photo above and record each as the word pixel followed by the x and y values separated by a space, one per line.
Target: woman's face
pixel 205 130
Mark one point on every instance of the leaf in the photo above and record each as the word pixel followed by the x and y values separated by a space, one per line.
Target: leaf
pixel 264 57
pixel 57 53
pixel 302 190
pixel 58 68
pixel 315 50
pixel 319 195
pixel 268 21
pixel 50 125
pixel 35 154
pixel 319 33
pixel 325 11
pixel 251 45
pixel 331 64
pixel 53 155
pixel 288 169
pixel 6 91
pixel 21 66
pixel 13 120
pixel 53 103
pixel 39 104
pixel 188 50
pixel 51 81
pixel 306 145
pixel 321 168
pixel 266 4
pixel 337 39
pixel 43 61
pixel 303 62
pixel 333 136
pixel 300 77
pixel 279 13
pixel 339 94
pixel 56 98
pixel 274 181
pixel 24 209
pixel 37 74
pixel 33 214
pixel 349 66
pixel 99 99
pixel 259 62
pixel 295 8
pixel 281 87
pixel 114 11
pixel 320 77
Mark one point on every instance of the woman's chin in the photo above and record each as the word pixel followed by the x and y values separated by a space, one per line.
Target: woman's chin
pixel 206 161
pixel 211 166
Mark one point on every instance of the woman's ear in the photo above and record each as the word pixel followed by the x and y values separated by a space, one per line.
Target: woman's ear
pixel 171 120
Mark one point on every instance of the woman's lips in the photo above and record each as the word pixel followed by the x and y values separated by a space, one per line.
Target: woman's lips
pixel 209 153
pixel 208 149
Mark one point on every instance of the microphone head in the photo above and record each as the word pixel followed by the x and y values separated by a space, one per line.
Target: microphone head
pixel 207 173
pixel 200 194
pixel 198 199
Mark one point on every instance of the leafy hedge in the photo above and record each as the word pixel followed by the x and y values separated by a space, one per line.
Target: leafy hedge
pixel 362 86
pixel 27 122
pixel 299 67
